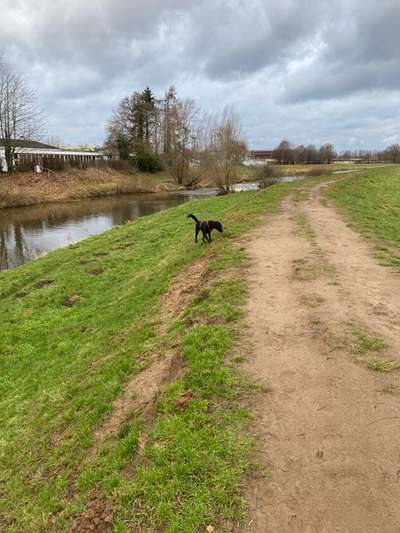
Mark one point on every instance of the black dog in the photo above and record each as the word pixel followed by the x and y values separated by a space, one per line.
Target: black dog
pixel 206 226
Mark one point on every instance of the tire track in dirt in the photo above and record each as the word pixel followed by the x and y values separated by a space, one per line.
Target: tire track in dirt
pixel 327 431
pixel 139 394
pixel 141 391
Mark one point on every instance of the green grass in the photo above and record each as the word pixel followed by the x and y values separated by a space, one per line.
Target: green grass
pixel 372 199
pixel 363 342
pixel 61 367
pixel 368 349
pixel 197 455
pixel 378 364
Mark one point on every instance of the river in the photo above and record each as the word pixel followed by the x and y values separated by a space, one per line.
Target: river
pixel 29 232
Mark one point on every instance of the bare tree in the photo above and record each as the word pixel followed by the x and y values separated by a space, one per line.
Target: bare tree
pixel 326 153
pixel 168 105
pixel 20 115
pixel 56 141
pixel 183 121
pixel 226 148
pixel 393 152
pixel 122 127
pixel 284 152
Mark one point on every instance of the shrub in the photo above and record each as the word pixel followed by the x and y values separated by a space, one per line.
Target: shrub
pixel 319 171
pixel 147 162
pixel 267 175
pixel 120 165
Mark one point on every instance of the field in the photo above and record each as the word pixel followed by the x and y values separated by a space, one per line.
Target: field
pixel 373 202
pixel 79 326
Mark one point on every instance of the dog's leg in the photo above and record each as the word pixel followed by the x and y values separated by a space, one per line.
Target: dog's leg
pixel 196 232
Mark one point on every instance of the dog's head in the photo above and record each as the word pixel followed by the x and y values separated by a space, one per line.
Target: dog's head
pixel 218 227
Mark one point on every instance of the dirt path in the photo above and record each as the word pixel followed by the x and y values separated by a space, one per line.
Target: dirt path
pixel 330 427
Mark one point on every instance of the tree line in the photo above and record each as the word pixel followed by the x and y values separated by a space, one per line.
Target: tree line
pixel 174 133
pixel 391 154
pixel 287 153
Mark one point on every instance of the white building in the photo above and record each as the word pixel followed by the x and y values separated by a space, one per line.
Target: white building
pixel 259 157
pixel 29 155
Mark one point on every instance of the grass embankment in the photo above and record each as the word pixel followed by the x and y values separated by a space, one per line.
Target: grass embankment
pixel 27 188
pixel 372 200
pixel 76 326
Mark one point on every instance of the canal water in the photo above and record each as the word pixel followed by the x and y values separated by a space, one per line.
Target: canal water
pixel 28 232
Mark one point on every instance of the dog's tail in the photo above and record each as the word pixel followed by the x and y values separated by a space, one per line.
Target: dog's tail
pixel 194 218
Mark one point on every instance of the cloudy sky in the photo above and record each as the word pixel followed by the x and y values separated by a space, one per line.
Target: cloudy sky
pixel 307 70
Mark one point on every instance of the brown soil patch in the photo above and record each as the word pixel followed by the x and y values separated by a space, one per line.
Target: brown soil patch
pixel 43 283
pixel 21 294
pixel 311 300
pixel 184 399
pixel 329 429
pixel 99 254
pixel 69 301
pixel 97 516
pixel 138 396
pixel 181 291
pixel 96 271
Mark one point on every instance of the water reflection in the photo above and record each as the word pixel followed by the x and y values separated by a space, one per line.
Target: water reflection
pixel 27 232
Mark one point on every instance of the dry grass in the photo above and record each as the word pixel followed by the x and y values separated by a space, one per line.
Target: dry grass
pixel 378 364
pixel 368 350
pixel 26 188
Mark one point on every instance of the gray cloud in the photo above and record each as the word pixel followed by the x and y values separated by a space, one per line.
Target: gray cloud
pixel 359 53
pixel 310 71
pixel 253 35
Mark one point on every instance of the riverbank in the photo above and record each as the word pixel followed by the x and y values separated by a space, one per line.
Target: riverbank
pixel 121 399
pixel 26 188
